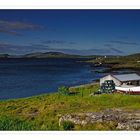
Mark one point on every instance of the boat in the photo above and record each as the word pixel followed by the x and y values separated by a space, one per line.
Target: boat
pixel 131 90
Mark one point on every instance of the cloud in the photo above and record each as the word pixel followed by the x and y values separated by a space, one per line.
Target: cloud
pixel 95 51
pixel 123 42
pixel 58 42
pixel 108 45
pixel 72 43
pixel 14 27
pixel 116 50
pixel 122 37
pixel 38 45
pixel 104 51
pixel 9 32
pixel 54 42
pixel 11 48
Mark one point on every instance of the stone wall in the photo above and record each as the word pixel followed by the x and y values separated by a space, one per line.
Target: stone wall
pixel 126 120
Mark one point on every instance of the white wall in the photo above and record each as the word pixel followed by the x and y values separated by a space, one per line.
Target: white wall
pixel 110 77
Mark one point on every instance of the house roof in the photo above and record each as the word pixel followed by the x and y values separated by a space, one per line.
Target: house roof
pixel 127 77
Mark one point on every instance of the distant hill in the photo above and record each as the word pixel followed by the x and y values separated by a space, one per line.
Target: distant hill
pixel 134 55
pixel 46 55
pixel 50 55
pixel 64 55
pixel 4 55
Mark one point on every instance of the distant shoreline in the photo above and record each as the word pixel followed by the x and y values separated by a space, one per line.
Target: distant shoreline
pixel 114 65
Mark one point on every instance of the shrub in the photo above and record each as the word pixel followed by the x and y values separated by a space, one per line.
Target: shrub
pixel 67 125
pixel 63 90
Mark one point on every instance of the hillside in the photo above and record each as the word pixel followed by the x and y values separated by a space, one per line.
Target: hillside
pixel 50 55
pixel 43 112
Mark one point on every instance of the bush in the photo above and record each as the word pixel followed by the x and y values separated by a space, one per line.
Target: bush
pixel 67 125
pixel 63 90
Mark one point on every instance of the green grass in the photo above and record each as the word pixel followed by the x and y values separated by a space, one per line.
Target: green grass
pixel 13 123
pixel 43 112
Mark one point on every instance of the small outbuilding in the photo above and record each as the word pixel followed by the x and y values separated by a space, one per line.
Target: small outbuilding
pixel 132 79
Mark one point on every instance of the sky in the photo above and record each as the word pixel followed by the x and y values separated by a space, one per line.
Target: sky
pixel 84 32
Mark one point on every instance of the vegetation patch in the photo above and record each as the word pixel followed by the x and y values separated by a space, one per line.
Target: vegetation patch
pixel 12 123
pixel 68 125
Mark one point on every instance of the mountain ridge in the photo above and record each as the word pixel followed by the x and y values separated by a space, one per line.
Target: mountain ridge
pixel 52 54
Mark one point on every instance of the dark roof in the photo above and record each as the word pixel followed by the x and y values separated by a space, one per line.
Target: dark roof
pixel 127 77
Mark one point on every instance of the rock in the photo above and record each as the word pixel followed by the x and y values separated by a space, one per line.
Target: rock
pixel 92 94
pixel 123 126
pixel 125 120
pixel 129 125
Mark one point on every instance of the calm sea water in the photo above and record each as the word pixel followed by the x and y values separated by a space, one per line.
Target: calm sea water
pixel 27 77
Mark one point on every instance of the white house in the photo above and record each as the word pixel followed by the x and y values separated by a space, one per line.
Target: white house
pixel 132 79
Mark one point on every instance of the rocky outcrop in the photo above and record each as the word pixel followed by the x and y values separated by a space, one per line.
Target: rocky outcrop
pixel 125 120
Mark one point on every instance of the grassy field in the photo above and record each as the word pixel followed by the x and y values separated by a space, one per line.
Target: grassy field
pixel 43 112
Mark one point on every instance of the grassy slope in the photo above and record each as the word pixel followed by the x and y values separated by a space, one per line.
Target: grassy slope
pixel 43 112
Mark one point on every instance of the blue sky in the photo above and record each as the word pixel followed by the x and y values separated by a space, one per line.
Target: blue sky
pixel 85 32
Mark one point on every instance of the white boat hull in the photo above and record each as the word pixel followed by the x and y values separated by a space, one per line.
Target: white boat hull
pixel 128 89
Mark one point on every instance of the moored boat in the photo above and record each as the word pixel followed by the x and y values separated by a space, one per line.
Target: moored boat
pixel 131 90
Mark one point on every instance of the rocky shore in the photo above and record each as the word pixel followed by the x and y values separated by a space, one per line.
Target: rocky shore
pixel 123 120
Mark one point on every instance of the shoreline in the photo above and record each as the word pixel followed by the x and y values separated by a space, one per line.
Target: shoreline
pixel 94 83
pixel 111 68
